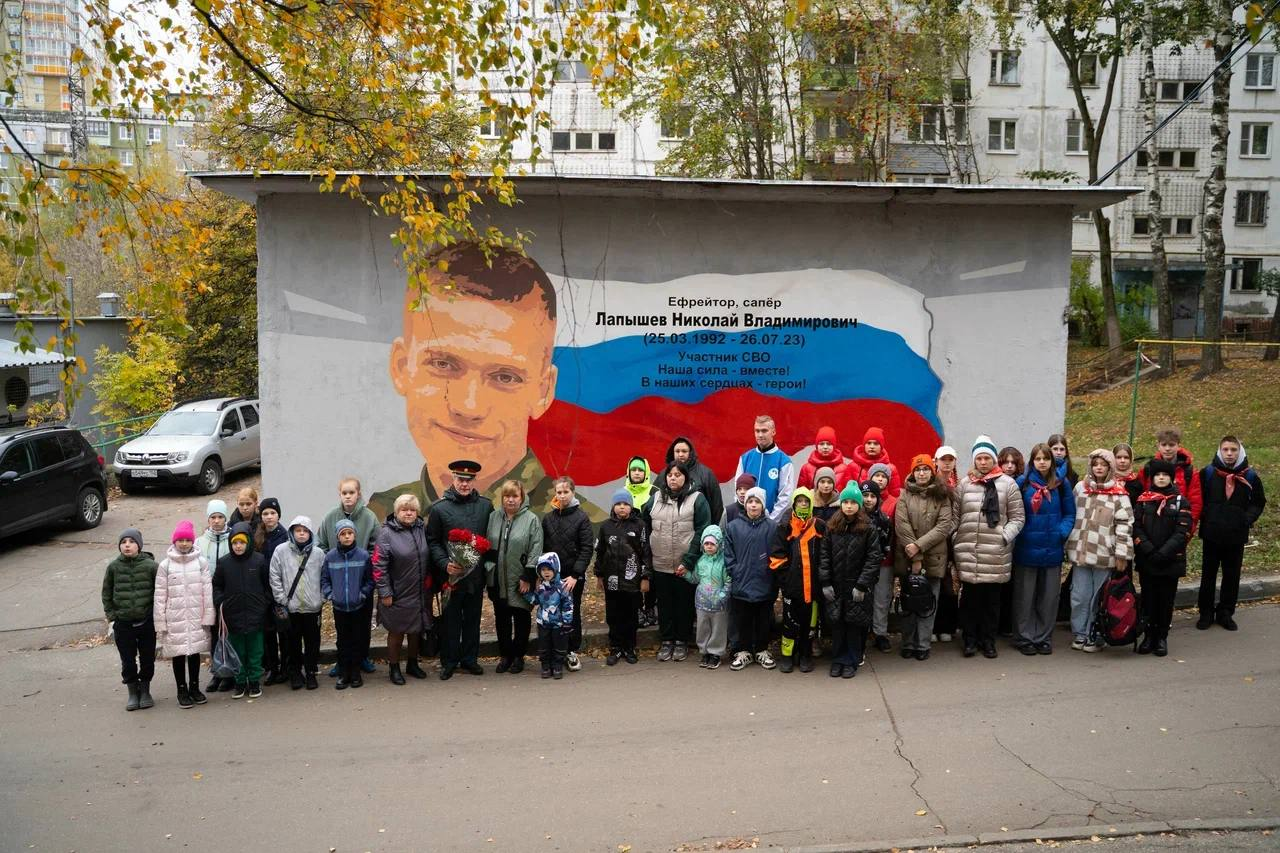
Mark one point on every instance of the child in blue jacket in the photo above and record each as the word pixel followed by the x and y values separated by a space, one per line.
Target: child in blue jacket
pixel 1038 552
pixel 554 614
pixel 346 579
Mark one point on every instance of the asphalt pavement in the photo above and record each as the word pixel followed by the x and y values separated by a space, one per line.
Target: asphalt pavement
pixel 651 756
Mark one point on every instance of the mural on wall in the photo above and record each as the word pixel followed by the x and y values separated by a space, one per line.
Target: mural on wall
pixel 535 379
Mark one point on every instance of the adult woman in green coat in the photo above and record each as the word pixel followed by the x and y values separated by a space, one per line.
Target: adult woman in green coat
pixel 515 536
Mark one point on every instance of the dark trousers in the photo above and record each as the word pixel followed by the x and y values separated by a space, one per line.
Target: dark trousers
pixel 461 628
pixel 365 629
pixel 980 612
pixel 1158 594
pixel 797 625
pixel 511 624
pixel 675 608
pixel 575 631
pixel 275 647
pixel 304 642
pixel 649 600
pixel 947 617
pixel 622 616
pixel 186 670
pixel 847 642
pixel 1230 558
pixel 553 646
pixel 1005 622
pixel 352 627
pixel 750 621
pixel 137 647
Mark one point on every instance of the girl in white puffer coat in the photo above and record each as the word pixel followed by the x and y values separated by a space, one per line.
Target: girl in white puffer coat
pixel 183 611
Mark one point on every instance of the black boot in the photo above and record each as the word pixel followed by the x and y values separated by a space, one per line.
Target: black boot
pixel 414 669
pixel 805 664
pixel 786 663
pixel 184 698
pixel 134 693
pixel 1162 647
pixel 1147 645
pixel 396 676
pixel 144 695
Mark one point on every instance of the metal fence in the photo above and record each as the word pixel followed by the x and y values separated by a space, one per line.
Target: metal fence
pixel 108 437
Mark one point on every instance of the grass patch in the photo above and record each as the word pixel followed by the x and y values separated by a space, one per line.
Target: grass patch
pixel 1244 401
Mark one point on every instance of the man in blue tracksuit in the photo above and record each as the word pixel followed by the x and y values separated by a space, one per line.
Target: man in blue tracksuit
pixel 772 469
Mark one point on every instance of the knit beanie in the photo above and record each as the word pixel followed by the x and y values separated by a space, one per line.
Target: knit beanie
pixel 745 481
pixel 873 434
pixel 826 433
pixel 622 496
pixel 923 460
pixel 1161 466
pixel 216 506
pixel 825 471
pixel 879 467
pixel 984 444
pixel 269 503
pixel 184 530
pixel 343 524
pixel 851 492
pixel 945 450
pixel 131 533
pixel 757 493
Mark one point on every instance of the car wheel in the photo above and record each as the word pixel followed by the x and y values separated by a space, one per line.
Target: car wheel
pixel 130 486
pixel 210 477
pixel 89 507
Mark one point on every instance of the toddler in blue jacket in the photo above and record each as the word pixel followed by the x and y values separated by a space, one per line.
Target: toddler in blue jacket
pixel 554 605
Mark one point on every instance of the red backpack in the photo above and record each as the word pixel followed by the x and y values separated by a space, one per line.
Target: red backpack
pixel 1119 620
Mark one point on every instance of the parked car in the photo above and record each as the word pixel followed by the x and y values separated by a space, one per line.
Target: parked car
pixel 49 474
pixel 193 444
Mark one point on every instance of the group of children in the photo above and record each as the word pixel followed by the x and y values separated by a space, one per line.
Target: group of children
pixel 988 545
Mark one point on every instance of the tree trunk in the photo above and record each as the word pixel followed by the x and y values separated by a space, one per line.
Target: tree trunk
pixel 1159 260
pixel 1103 226
pixel 950 145
pixel 1273 353
pixel 1215 193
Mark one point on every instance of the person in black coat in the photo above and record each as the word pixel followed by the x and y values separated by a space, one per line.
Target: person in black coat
pixel 268 536
pixel 848 567
pixel 1161 530
pixel 242 593
pixel 1233 502
pixel 701 478
pixel 566 530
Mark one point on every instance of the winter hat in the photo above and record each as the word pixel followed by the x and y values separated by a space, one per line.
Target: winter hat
pixel 242 530
pixel 184 530
pixel 745 481
pixel 300 521
pixel 825 471
pixel 825 433
pixel 851 492
pixel 878 468
pixel 873 434
pixel 269 503
pixel 216 507
pixel 925 460
pixel 343 524
pixel 131 533
pixel 945 450
pixel 757 493
pixel 552 559
pixel 1161 466
pixel 711 534
pixel 799 493
pixel 984 444
pixel 622 496
pixel 1107 456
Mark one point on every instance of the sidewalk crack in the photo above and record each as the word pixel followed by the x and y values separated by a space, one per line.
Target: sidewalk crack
pixel 897 748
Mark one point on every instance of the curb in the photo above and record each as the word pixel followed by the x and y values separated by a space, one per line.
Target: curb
pixel 1036 836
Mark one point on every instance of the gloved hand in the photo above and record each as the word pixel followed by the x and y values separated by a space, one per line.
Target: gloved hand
pixel 829 594
pixel 858 595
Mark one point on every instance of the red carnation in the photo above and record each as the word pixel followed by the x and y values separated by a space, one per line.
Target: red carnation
pixel 481 543
pixel 457 534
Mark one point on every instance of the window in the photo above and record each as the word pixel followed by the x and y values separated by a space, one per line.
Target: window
pixel 828 126
pixel 179 138
pixel 231 422
pixel 1002 135
pixel 250 415
pixel 960 90
pixel 28 134
pixel 1171 158
pixel 126 157
pixel 153 135
pixel 97 128
pixel 1087 69
pixel 47 451
pixel 1004 67
pixel 58 136
pixel 1174 90
pixel 1251 207
pixel 568 72
pixel 1244 274
pixel 126 133
pixel 490 128
pixel 677 124
pixel 1171 226
pixel 1255 140
pixel 1260 71
pixel 1075 136
pixel 71 445
pixel 17 459
pixel 930 126
pixel 563 140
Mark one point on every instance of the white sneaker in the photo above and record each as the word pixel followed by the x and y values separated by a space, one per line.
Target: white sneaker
pixel 934 638
pixel 572 663
pixel 1078 644
pixel 1092 647
pixel 945 638
pixel 765 660
pixel 741 660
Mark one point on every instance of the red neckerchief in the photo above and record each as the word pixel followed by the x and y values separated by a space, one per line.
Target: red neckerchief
pixel 1233 477
pixel 975 477
pixel 1148 497
pixel 1092 488
pixel 1125 478
pixel 1042 492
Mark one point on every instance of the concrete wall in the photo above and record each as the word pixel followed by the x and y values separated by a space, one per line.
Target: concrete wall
pixel 93 332
pixel 985 290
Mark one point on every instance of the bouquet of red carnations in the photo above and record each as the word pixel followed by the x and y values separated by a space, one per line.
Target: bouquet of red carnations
pixel 466 549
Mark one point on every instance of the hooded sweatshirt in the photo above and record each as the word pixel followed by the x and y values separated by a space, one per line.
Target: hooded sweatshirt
pixel 639 491
pixel 701 478
pixel 710 575
pixel 861 462
pixel 361 516
pixel 1233 500
pixel 292 558
pixel 554 603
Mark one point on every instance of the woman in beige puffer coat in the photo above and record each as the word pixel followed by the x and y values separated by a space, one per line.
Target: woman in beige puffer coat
pixel 989 515
pixel 183 611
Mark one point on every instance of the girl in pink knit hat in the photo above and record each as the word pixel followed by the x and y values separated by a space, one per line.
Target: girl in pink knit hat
pixel 183 611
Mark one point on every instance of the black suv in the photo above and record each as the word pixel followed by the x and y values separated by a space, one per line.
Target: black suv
pixel 49 474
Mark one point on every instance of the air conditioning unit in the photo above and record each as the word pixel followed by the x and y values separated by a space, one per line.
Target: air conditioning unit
pixel 15 385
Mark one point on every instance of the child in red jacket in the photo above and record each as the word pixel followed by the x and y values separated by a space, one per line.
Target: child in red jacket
pixel 1169 448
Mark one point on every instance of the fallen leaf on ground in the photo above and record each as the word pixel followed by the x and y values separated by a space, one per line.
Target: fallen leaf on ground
pixel 921 812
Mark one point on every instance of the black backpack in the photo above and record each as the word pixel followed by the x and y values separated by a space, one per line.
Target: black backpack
pixel 916 596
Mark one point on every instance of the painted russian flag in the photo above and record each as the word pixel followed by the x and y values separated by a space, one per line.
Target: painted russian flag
pixel 618 396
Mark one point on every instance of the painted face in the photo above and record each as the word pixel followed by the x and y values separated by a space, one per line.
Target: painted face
pixel 406 515
pixel 511 503
pixel 464 485
pixel 826 448
pixel 675 480
pixel 217 522
pixel 564 494
pixel 1100 469
pixel 881 479
pixel 1162 480
pixel 1168 449
pixel 1059 451
pixel 239 546
pixel 872 447
pixel 826 486
pixel 1124 462
pixel 984 462
pixel 1042 463
pixel 346 537
pixel 755 508
pixel 1230 453
pixel 301 535
pixel 922 474
pixel 349 493
pixel 473 373
pixel 246 507
pixel 849 508
pixel 710 548
pixel 184 546
pixel 128 547
pixel 636 475
pixel 270 518
pixel 681 452
pixel 622 510
pixel 765 434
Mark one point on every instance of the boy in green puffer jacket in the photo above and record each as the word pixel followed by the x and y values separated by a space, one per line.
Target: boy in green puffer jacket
pixel 128 589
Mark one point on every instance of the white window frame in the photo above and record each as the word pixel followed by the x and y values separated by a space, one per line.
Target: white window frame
pixel 1000 67
pixel 1237 275
pixel 1248 148
pixel 576 138
pixel 126 157
pixel 1097 70
pixel 1008 126
pixel 1261 67
pixel 572 71
pixel 670 128
pixel 1254 213
pixel 126 132
pixel 154 134
pixel 929 125
pixel 1185 87
pixel 98 129
pixel 1078 136
pixel 488 128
